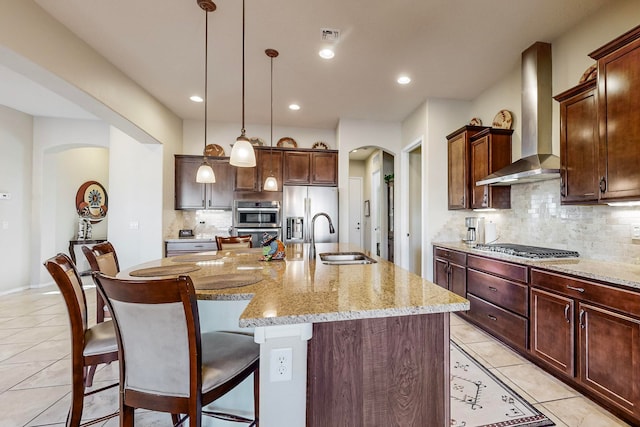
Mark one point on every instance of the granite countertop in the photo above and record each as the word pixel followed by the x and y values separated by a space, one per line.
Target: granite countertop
pixel 615 273
pixel 299 290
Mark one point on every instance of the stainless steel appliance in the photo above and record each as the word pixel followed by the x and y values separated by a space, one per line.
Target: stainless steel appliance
pixel 475 230
pixel 300 204
pixel 528 251
pixel 256 217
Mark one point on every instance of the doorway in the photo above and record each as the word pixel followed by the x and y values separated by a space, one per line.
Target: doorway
pixel 355 210
pixel 412 212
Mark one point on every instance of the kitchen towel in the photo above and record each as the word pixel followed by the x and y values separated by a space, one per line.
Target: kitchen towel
pixel 490 233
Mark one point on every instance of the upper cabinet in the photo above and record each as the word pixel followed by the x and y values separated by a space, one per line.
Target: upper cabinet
pixel 600 130
pixel 579 144
pixel 310 167
pixel 618 112
pixel 267 161
pixel 490 151
pixel 192 195
pixel 459 182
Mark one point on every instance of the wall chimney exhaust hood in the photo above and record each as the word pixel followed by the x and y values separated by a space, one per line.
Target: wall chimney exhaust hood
pixel 537 162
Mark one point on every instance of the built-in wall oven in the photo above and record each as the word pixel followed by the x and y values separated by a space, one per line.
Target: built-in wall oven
pixel 257 217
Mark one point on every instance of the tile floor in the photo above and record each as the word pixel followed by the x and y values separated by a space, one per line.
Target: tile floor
pixel 34 370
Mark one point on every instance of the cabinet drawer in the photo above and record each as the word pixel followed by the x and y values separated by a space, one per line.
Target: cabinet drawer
pixel 191 246
pixel 506 294
pixel 500 268
pixel 623 300
pixel 507 325
pixel 453 256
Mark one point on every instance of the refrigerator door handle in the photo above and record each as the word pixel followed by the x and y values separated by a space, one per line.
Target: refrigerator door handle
pixel 307 227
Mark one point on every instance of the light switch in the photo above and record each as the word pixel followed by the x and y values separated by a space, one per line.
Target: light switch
pixel 5 196
pixel 134 225
pixel 5 225
pixel 635 231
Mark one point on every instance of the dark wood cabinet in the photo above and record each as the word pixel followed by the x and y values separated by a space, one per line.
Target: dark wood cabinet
pixel 596 326
pixel 458 172
pixel 618 112
pixel 579 144
pixel 450 271
pixel 252 179
pixel 498 293
pixel 585 332
pixel 552 333
pixel 190 195
pixel 310 167
pixel 490 151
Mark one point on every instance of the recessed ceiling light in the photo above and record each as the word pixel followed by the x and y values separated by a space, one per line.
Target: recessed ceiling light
pixel 294 107
pixel 403 80
pixel 326 53
pixel 196 98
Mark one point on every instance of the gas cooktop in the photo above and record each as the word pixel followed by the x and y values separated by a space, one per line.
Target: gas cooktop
pixel 527 251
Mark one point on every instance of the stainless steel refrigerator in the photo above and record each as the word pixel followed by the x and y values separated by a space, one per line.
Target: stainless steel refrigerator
pixel 300 204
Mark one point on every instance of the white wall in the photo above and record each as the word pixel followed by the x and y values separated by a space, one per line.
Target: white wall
pixel 135 183
pixel 16 134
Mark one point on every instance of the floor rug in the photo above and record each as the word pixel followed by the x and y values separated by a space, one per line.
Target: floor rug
pixel 479 399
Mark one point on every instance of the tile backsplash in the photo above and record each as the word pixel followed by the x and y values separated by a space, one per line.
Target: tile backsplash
pixel 204 223
pixel 537 218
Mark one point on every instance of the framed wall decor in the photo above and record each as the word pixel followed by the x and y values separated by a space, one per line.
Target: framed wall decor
pixel 92 201
pixel 367 208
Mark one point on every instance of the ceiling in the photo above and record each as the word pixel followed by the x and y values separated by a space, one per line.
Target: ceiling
pixel 450 49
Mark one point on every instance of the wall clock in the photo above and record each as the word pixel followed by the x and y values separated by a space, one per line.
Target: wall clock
pixel 92 201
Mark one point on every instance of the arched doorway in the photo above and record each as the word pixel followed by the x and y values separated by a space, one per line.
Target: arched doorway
pixel 371 221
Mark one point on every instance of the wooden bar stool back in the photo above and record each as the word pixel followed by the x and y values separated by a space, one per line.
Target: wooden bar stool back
pixel 166 363
pixel 103 258
pixel 90 346
pixel 233 242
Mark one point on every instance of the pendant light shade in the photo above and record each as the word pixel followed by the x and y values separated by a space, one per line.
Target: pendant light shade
pixel 205 174
pixel 242 154
pixel 271 183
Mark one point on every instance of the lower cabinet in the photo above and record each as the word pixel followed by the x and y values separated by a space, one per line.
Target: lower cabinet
pixel 450 271
pixel 173 248
pixel 498 294
pixel 584 332
pixel 587 332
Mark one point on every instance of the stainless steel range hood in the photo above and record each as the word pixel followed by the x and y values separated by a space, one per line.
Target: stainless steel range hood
pixel 537 162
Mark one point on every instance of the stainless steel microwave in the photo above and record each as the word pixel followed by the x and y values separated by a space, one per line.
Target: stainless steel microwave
pixel 256 214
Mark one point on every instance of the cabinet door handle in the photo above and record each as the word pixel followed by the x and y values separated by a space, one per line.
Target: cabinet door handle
pixel 566 313
pixel 492 289
pixel 582 319
pixel 494 318
pixel 603 185
pixel 575 289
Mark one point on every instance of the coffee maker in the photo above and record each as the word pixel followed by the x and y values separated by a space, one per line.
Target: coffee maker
pixel 475 230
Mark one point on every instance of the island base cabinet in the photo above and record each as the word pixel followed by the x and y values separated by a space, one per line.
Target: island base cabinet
pixel 609 353
pixel 379 372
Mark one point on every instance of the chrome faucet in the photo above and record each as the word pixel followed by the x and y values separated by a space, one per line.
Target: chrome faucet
pixel 312 249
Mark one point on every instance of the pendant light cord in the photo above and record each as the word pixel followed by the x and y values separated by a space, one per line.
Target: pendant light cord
pixel 243 26
pixel 271 150
pixel 206 76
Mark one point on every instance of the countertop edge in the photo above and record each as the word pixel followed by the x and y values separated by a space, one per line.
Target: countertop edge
pixel 353 315
pixel 615 273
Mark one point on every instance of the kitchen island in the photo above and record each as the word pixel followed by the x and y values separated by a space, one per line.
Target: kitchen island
pixel 378 336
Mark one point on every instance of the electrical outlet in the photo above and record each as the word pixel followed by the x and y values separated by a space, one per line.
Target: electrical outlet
pixel 635 231
pixel 281 364
pixel 5 196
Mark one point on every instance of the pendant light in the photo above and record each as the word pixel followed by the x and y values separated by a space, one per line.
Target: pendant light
pixel 271 183
pixel 205 174
pixel 242 154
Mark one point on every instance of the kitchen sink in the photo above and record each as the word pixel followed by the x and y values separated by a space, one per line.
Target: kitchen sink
pixel 344 258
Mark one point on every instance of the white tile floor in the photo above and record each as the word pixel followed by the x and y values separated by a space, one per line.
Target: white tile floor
pixel 35 379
